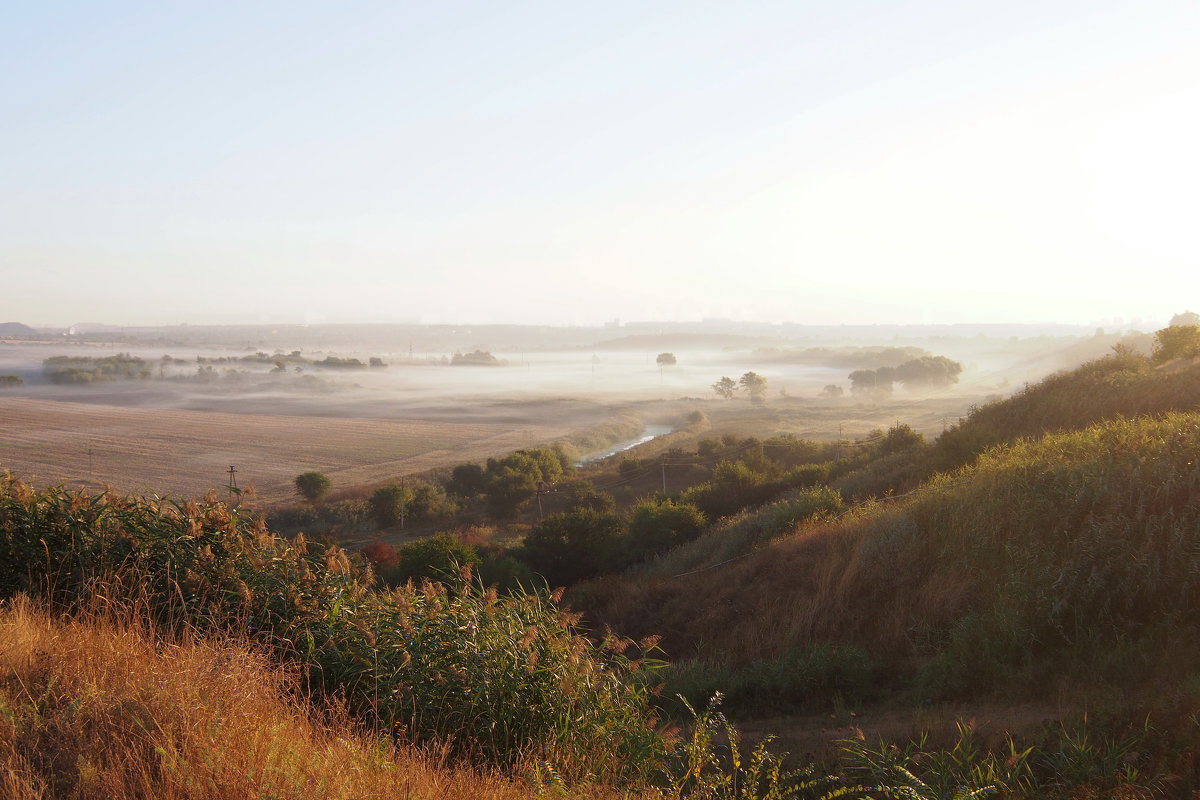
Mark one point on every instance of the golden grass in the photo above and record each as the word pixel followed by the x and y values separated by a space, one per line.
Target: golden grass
pixel 105 708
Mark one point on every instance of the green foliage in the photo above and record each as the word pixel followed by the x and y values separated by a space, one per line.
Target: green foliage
pixel 11 380
pixel 513 481
pixel 659 524
pixel 1177 341
pixel 581 495
pixel 918 772
pixel 1081 542
pixel 339 363
pixel 312 486
pixel 899 438
pixel 666 360
pixel 387 505
pixel 437 558
pixel 569 547
pixel 705 774
pixel 505 681
pixel 84 369
pixel 466 480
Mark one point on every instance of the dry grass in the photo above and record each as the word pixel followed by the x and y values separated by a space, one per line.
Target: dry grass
pixel 105 708
pixel 186 453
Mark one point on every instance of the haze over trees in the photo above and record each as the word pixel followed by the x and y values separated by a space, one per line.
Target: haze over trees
pixel 754 385
pixel 726 387
pixel 925 372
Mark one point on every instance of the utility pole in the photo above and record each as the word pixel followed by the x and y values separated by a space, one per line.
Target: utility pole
pixel 837 456
pixel 539 502
pixel 232 480
pixel 403 502
pixel 89 461
pixel 664 473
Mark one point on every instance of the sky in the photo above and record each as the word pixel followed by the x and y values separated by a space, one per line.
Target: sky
pixel 561 163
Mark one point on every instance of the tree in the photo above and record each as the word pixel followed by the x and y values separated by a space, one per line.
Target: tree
pixel 937 371
pixel 872 382
pixel 437 558
pixel 725 387
pixel 571 547
pixel 901 437
pixel 1186 318
pixel 832 391
pixel 312 486
pixel 466 480
pixel 583 496
pixel 657 525
pixel 387 505
pixel 510 483
pixel 1177 341
pixel 755 385
pixel 665 360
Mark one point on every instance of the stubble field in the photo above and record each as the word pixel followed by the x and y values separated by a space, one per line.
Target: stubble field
pixel 186 453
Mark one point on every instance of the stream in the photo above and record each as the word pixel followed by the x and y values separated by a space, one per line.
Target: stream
pixel 649 433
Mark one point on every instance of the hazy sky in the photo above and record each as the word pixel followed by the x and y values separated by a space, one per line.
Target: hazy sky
pixel 565 162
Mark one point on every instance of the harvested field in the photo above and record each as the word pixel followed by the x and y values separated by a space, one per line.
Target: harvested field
pixel 186 453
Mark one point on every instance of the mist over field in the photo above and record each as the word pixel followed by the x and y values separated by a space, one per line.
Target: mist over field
pixel 173 408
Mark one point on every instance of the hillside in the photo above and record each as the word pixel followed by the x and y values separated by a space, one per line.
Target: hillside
pixel 17 330
pixel 1042 551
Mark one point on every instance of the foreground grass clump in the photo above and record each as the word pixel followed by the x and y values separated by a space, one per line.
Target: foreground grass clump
pixel 502 681
pixel 106 707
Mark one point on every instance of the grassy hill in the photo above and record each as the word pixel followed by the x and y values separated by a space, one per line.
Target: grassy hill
pixel 1048 545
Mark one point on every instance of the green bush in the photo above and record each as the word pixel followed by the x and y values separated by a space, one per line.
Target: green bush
pixel 505 681
pixel 312 486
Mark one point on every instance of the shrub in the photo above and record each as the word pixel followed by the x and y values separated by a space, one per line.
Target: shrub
pixel 439 558
pixel 387 505
pixel 657 525
pixel 312 486
pixel 505 681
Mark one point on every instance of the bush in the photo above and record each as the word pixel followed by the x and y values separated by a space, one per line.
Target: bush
pixel 387 505
pixel 657 525
pixel 506 682
pixel 439 558
pixel 312 486
pixel 1177 341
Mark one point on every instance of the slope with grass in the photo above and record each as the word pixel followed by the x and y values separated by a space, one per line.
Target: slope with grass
pixel 105 706
pixel 1049 559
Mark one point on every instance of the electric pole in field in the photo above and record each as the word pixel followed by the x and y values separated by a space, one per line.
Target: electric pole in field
pixel 232 481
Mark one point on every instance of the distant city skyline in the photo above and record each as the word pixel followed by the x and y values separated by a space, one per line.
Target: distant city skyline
pixel 538 163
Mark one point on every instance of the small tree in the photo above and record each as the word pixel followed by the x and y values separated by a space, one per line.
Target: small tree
pixel 754 385
pixel 466 480
pixel 312 486
pixel 832 391
pixel 387 505
pixel 666 360
pixel 1177 341
pixel 725 387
